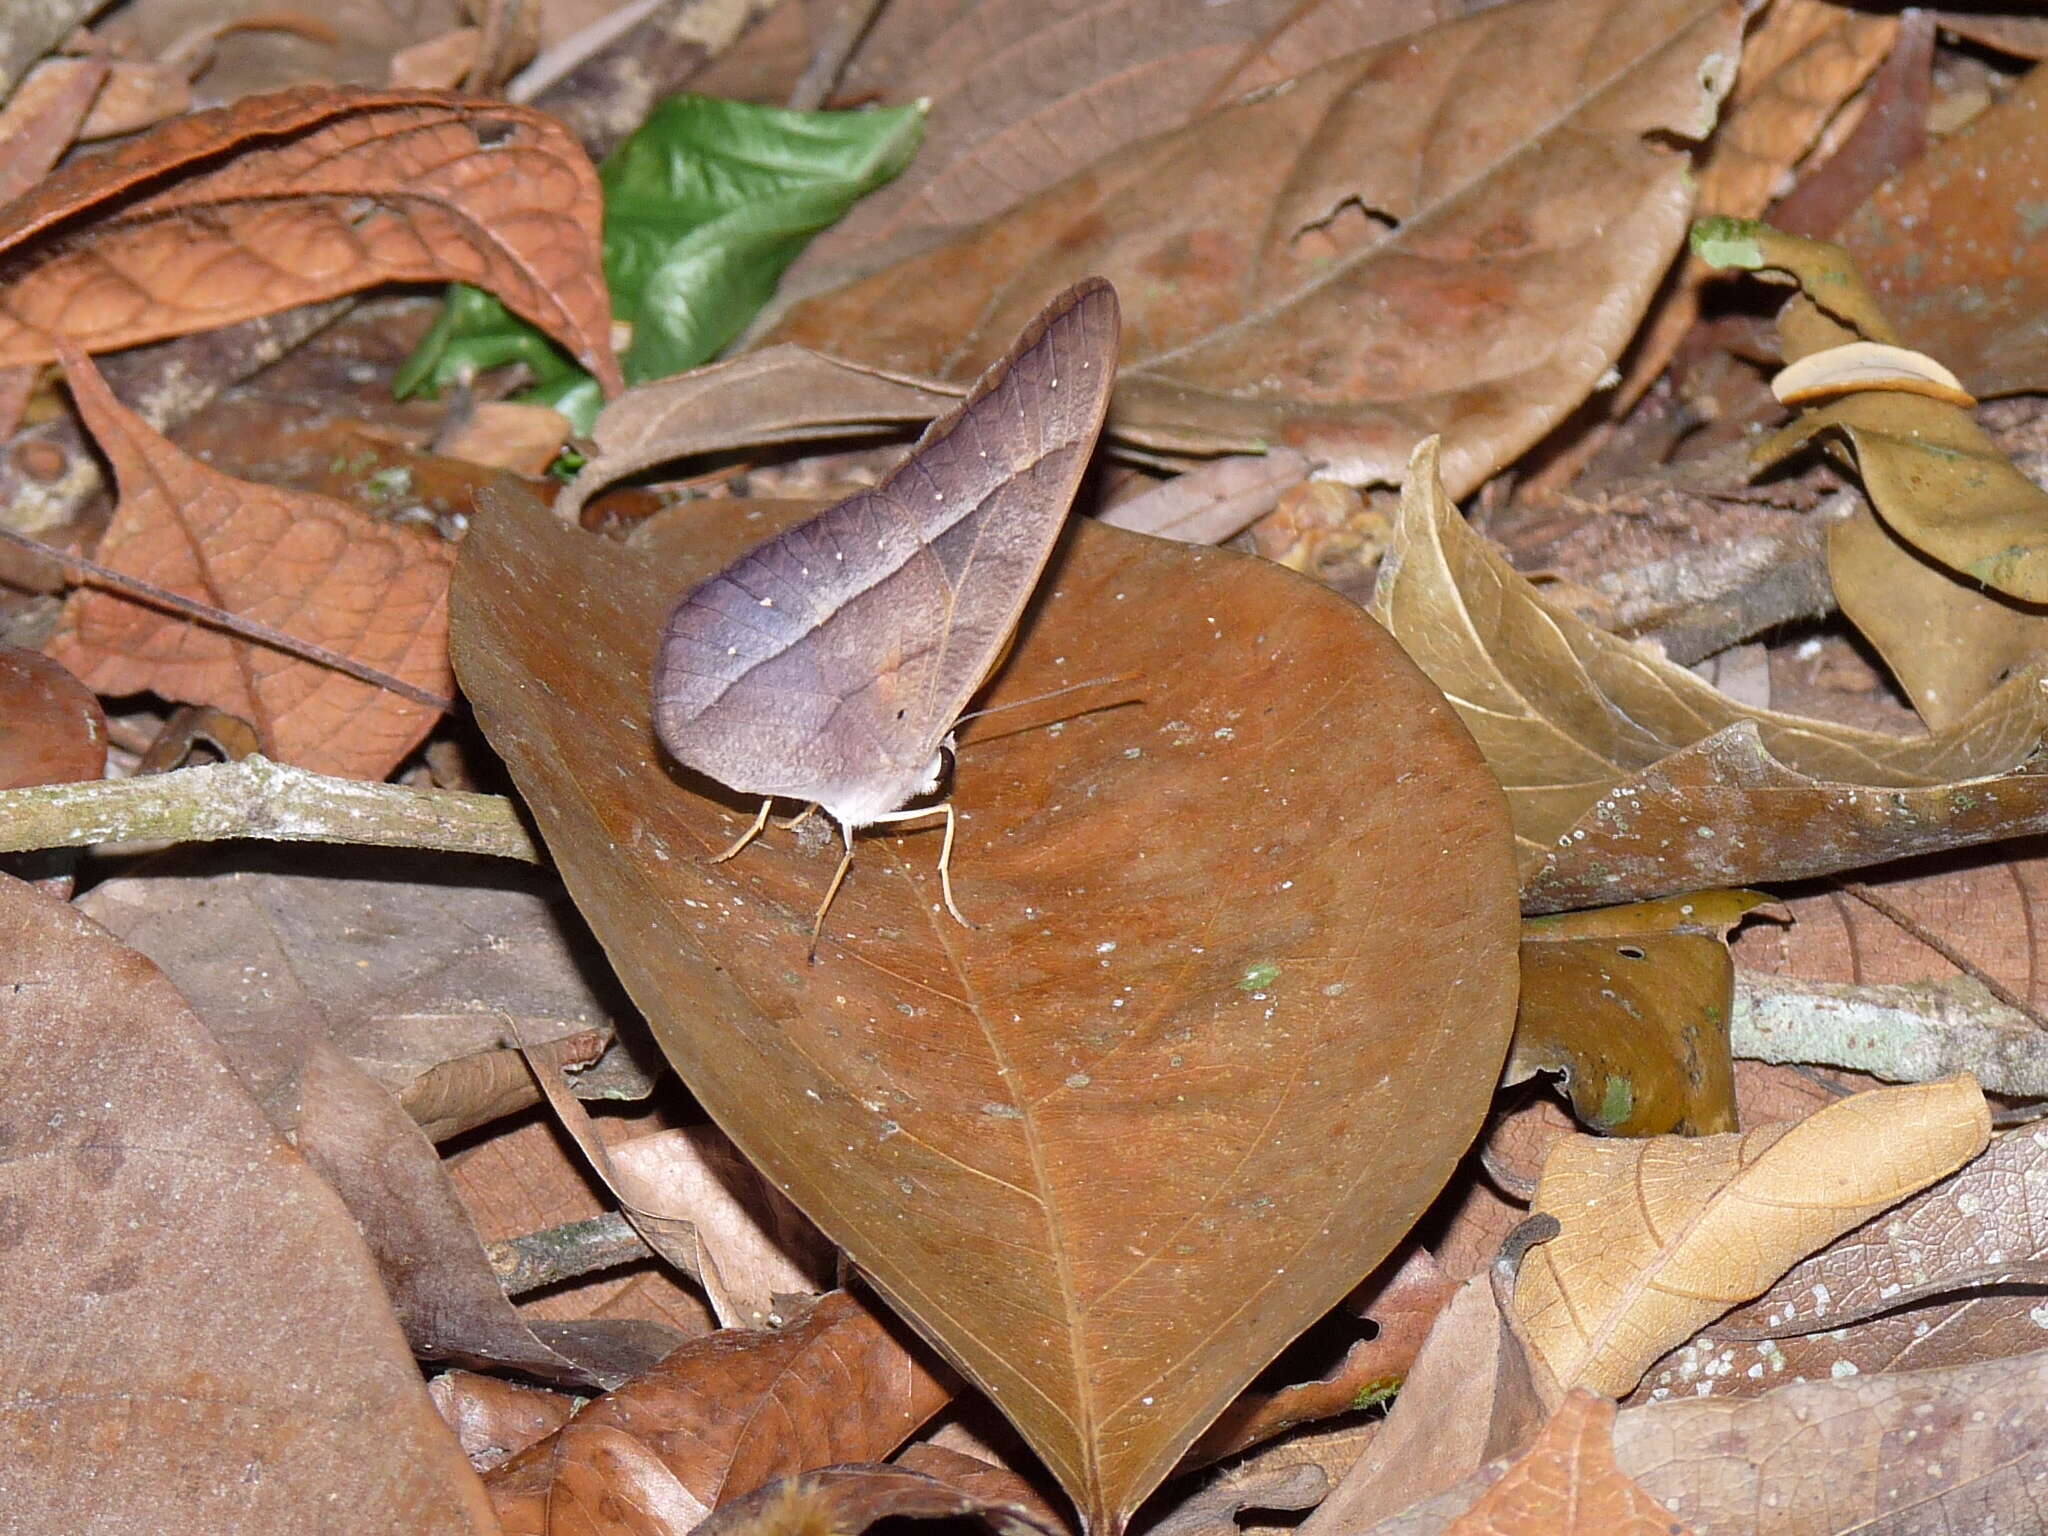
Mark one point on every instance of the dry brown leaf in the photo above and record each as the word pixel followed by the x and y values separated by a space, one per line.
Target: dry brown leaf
pixel 1800 62
pixel 990 1077
pixel 390 968
pixel 1213 501
pixel 1021 98
pixel 1453 232
pixel 1402 1303
pixel 1908 1290
pixel 42 117
pixel 494 1419
pixel 1894 1455
pixel 1567 1484
pixel 52 729
pixel 405 960
pixel 729 1413
pixel 315 568
pixel 306 195
pixel 1632 1004
pixel 503 434
pixel 1661 1236
pixel 2021 35
pixel 1953 254
pixel 778 395
pixel 1468 1399
pixel 197 1339
pixel 1990 909
pixel 850 1499
pixel 1629 777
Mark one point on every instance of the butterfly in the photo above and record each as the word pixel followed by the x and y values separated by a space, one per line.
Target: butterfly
pixel 831 664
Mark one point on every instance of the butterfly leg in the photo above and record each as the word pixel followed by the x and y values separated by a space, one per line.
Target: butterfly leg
pixel 799 818
pixel 750 834
pixel 832 890
pixel 945 851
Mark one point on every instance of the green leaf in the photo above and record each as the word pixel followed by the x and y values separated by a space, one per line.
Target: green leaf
pixel 705 206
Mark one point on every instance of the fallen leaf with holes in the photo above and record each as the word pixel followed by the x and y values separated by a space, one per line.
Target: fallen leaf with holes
pixel 1456 231
pixel 1631 1005
pixel 1629 777
pixel 1021 99
pixel 1661 1236
pixel 193 1322
pixel 726 1414
pixel 989 1075
pixel 315 568
pixel 304 195
pixel 1911 1289
pixel 52 729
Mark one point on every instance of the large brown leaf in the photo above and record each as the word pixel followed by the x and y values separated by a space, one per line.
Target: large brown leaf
pixel 303 195
pixel 1115 1147
pixel 1021 98
pixel 1630 777
pixel 196 1338
pixel 1453 232
pixel 311 566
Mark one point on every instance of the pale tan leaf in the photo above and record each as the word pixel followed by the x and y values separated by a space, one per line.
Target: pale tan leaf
pixel 1660 1236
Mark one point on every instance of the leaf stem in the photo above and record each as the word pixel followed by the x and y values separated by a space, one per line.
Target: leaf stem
pixel 259 798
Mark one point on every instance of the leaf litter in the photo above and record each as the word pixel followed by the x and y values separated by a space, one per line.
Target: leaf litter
pixel 1203 897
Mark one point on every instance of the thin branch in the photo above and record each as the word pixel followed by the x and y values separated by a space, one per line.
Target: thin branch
pixel 135 587
pixel 1913 927
pixel 258 798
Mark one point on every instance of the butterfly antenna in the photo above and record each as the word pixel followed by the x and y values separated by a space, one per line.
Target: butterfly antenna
pixel 1040 698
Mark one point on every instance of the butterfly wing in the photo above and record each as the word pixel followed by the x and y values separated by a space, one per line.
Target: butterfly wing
pixel 828 664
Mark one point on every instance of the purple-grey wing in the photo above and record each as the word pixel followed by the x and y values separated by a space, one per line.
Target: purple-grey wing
pixel 828 664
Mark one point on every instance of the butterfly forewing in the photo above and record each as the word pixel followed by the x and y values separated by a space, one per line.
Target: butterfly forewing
pixel 828 664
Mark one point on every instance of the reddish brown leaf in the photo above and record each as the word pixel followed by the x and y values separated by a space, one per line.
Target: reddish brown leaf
pixel 42 117
pixel 304 195
pixel 734 1410
pixel 197 1339
pixel 1020 1133
pixel 1454 231
pixel 1567 1484
pixel 315 568
pixel 1021 98
pixel 1953 250
pixel 52 729
pixel 495 1419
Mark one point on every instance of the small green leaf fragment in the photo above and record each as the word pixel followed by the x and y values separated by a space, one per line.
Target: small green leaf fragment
pixel 1618 1102
pixel 1258 977
pixel 706 204
pixel 1721 241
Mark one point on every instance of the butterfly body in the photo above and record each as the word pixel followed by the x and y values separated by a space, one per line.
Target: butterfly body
pixel 831 664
